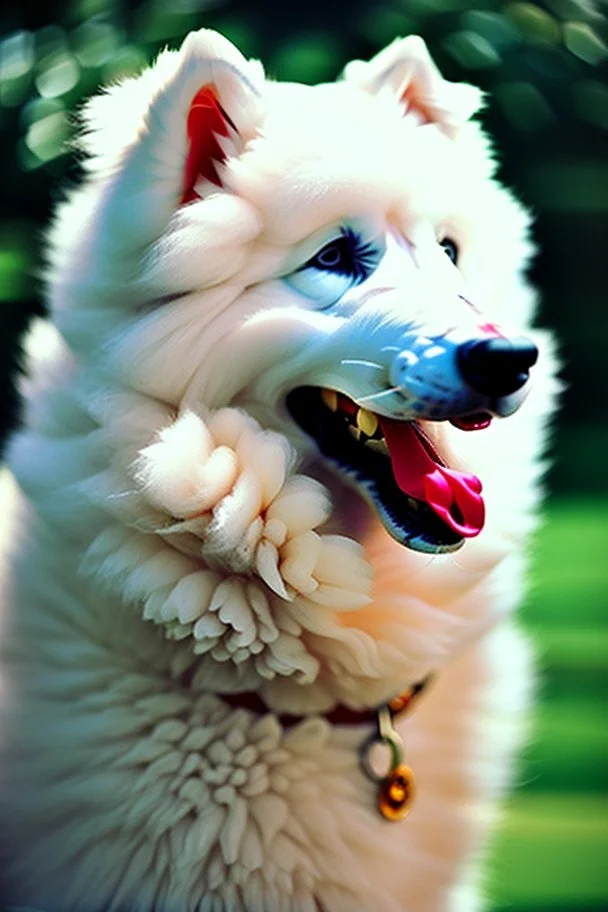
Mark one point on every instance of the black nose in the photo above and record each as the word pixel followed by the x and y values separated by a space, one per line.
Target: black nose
pixel 496 366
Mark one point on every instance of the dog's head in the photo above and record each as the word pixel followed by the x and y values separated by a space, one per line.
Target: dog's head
pixel 338 263
pixel 338 260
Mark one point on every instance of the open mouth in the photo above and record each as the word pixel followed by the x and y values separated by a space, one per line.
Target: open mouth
pixel 421 502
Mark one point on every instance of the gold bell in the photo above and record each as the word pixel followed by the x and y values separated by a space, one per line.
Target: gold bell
pixel 396 793
pixel 399 703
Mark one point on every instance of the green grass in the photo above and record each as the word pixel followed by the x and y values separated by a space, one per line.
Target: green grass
pixel 551 851
pixel 570 573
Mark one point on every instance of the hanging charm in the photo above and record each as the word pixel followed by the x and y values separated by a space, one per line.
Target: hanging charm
pixel 396 793
pixel 397 787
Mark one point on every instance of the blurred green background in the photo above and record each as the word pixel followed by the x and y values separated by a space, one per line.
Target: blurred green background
pixel 544 65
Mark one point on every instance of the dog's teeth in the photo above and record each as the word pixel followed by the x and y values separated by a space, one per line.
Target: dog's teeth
pixel 330 399
pixel 367 422
pixel 378 446
pixel 354 431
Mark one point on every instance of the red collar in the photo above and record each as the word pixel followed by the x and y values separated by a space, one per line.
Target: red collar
pixel 397 786
pixel 339 715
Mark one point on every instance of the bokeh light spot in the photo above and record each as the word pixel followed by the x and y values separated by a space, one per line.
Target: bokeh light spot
pixel 575 9
pixel 38 108
pixel 471 50
pixel 582 41
pixel 16 55
pixel 50 40
pixel 496 29
pixel 94 43
pixel 128 61
pixel 46 137
pixel 524 105
pixel 533 23
pixel 16 62
pixel 59 76
pixel 591 100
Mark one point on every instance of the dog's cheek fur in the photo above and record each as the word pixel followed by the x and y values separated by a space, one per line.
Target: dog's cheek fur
pixel 222 224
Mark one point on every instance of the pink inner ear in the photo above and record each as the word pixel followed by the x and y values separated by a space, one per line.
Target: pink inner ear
pixel 413 103
pixel 206 121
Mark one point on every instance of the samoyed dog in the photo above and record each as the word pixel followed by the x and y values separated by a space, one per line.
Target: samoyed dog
pixel 267 519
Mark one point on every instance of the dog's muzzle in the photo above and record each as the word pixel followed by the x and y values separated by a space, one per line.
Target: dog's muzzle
pixel 443 377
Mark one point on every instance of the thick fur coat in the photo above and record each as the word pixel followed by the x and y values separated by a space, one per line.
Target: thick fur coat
pixel 171 532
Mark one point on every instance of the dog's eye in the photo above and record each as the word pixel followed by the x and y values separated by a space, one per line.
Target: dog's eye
pixel 336 256
pixel 348 255
pixel 345 261
pixel 451 249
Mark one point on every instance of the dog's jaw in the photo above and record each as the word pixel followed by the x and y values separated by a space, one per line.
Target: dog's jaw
pixel 422 504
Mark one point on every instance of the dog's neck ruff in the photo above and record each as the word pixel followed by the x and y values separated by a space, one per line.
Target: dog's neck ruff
pixel 396 787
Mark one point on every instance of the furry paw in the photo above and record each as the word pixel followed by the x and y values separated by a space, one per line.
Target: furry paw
pixel 227 482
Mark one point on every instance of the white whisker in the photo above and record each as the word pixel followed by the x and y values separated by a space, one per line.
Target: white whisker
pixel 362 363
pixel 380 395
pixel 118 495
pixel 145 525
pixel 460 567
pixel 452 556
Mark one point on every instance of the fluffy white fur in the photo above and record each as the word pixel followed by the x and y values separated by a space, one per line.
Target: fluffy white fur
pixel 169 534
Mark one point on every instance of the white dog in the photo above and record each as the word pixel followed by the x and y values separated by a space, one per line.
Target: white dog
pixel 289 342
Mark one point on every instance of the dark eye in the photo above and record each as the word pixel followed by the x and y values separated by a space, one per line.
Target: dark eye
pixel 451 249
pixel 345 261
pixel 337 256
pixel 348 255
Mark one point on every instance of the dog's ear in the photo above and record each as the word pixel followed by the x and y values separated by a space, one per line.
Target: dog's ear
pixel 208 128
pixel 158 140
pixel 406 70
pixel 222 114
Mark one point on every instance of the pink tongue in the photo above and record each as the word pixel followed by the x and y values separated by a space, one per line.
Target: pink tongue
pixel 454 496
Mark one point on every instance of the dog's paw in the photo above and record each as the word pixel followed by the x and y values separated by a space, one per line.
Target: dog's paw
pixel 330 570
pixel 229 560
pixel 185 472
pixel 227 485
